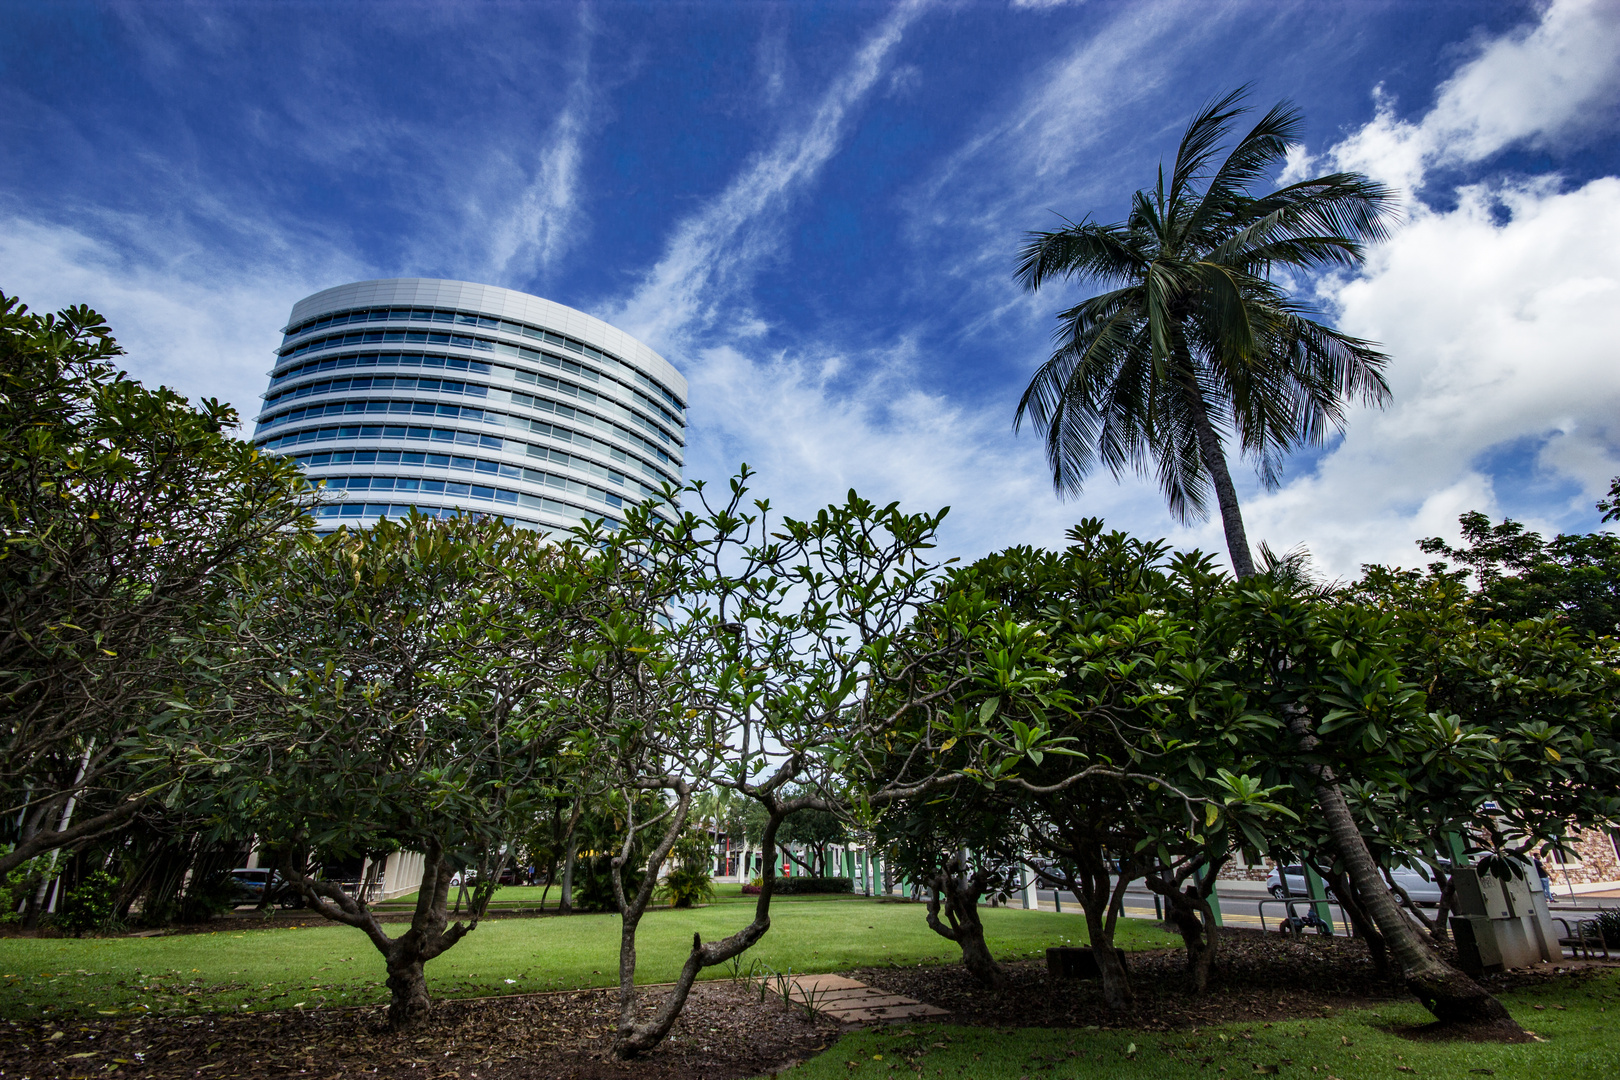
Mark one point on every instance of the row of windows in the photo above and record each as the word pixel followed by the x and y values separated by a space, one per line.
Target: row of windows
pixel 399 510
pixel 469 464
pixel 476 343
pixel 378 382
pixel 352 360
pixel 454 386
pixel 452 487
pixel 455 363
pixel 466 318
pixel 448 436
pixel 468 413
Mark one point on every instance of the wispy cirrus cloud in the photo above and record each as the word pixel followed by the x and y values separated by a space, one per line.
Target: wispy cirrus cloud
pixel 712 254
pixel 815 419
pixel 527 230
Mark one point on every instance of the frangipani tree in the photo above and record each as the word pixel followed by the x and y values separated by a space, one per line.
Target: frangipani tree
pixel 126 513
pixel 750 655
pixel 395 687
pixel 1109 731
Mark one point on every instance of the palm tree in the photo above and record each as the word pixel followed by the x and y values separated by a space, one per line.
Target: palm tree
pixel 1196 339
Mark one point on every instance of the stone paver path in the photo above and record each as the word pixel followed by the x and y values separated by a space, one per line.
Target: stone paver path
pixel 852 1002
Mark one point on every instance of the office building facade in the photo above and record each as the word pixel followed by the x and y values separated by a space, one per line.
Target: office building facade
pixel 451 396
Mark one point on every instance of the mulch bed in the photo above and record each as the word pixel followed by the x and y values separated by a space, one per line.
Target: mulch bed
pixel 1257 977
pixel 724 1033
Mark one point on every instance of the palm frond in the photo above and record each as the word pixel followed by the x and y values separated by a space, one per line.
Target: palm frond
pixel 1252 159
pixel 1105 252
pixel 1339 204
pixel 1201 142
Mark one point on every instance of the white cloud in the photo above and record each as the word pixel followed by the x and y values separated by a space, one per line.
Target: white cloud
pixel 814 426
pixel 187 320
pixel 1502 338
pixel 1554 80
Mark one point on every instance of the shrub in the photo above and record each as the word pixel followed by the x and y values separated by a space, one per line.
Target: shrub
pixel 90 905
pixel 207 897
pixel 795 886
pixel 690 881
pixel 1609 923
pixel 593 883
pixel 13 887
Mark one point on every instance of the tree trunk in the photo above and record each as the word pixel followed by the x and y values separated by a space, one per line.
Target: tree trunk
pixel 408 1002
pixel 1449 994
pixel 1214 457
pixel 1097 897
pixel 1116 981
pixel 1188 907
pixel 565 902
pixel 1349 903
pixel 961 891
pixel 1200 952
pixel 633 1039
pixel 404 956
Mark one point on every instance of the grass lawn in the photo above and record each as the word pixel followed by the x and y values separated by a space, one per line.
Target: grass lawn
pixel 335 965
pixel 530 896
pixel 1577 1022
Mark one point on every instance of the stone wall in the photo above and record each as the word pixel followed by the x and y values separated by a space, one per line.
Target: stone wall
pixel 1595 860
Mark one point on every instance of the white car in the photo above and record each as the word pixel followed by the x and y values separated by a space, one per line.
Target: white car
pixel 1290 881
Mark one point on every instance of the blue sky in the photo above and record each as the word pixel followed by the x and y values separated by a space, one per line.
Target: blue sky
pixel 813 209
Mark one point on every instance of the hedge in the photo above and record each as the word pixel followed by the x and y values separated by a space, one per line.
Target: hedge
pixel 791 886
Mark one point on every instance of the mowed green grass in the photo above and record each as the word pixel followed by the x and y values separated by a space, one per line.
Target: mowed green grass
pixel 327 965
pixel 1577 1022
pixel 532 897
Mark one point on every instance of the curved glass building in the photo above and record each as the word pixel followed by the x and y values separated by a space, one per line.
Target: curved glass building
pixel 449 396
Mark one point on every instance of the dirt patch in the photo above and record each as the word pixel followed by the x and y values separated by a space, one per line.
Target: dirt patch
pixel 725 1033
pixel 1257 977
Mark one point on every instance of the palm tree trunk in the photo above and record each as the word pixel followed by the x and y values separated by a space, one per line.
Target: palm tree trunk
pixel 1214 456
pixel 1449 994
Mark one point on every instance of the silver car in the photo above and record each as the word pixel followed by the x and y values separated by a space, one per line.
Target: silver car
pixel 1290 881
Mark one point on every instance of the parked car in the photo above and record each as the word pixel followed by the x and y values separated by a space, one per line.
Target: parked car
pixel 1422 890
pixel 251 883
pixel 1290 881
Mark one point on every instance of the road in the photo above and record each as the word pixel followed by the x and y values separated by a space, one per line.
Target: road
pixel 1247 905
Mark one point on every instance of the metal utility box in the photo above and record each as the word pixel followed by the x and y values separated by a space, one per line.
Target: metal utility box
pixel 1501 924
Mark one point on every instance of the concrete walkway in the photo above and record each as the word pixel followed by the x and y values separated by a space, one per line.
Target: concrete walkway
pixel 850 1001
